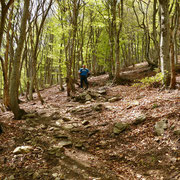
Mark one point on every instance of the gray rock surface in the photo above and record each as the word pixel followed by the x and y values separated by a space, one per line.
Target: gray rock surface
pixel 119 127
pixel 160 127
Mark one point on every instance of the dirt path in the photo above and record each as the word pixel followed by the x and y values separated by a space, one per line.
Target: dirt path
pixel 74 139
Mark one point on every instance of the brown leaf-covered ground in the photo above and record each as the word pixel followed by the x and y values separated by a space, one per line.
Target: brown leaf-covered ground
pixel 95 152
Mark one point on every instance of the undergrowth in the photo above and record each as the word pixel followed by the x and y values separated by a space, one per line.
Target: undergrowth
pixel 153 81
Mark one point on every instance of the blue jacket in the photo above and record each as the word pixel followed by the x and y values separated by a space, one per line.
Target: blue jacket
pixel 84 72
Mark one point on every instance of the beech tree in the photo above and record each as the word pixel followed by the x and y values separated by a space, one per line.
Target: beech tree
pixel 165 41
pixel 15 75
pixel 4 62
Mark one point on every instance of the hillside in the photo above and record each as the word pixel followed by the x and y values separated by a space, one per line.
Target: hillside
pixel 107 132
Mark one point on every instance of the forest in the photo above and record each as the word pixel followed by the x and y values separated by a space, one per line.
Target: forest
pixel 48 123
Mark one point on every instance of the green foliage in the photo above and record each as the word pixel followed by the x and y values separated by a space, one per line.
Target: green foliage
pixel 154 81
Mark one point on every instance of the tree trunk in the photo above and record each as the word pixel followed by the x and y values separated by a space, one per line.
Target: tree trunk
pixel 15 75
pixel 173 74
pixel 165 42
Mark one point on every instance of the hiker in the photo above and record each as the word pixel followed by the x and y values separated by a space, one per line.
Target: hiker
pixel 84 73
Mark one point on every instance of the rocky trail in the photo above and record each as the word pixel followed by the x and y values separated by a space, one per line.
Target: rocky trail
pixel 104 133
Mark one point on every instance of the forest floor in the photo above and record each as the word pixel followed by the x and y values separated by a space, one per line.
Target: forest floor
pixel 107 132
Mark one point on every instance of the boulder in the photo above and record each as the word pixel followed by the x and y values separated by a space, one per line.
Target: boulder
pixel 119 127
pixel 160 127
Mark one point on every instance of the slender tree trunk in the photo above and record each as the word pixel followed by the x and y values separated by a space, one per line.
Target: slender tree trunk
pixel 154 35
pixel 165 42
pixel 15 75
pixel 173 74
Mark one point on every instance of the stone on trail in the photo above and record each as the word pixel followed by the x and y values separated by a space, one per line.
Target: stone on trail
pixel 36 175
pixel 67 126
pixel 102 91
pixel 119 127
pixel 85 122
pixel 66 119
pixel 98 107
pixel 177 132
pixel 22 149
pixel 160 127
pixel 10 177
pixel 139 119
pixel 94 94
pixel 64 144
pixel 114 99
pixel 61 136
pixel 56 150
pixel 79 145
pixel 55 116
pixel 88 97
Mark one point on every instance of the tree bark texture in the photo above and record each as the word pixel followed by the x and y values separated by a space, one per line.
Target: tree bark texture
pixel 15 75
pixel 165 41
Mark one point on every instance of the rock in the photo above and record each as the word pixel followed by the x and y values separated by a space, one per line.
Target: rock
pixel 11 177
pixel 101 99
pixel 85 122
pixel 55 175
pixel 114 99
pixel 88 102
pixel 102 91
pixel 56 150
pixel 139 119
pixel 160 127
pixel 67 126
pixel 23 149
pixel 81 97
pixel 58 178
pixel 94 94
pixel 135 103
pixel 98 107
pixel 59 122
pixel 77 109
pixel 27 138
pixel 93 132
pixel 177 132
pixel 55 116
pixel 119 127
pixel 36 175
pixel 64 144
pixel 31 129
pixel 88 97
pixel 43 126
pixel 79 145
pixel 66 119
pixel 63 136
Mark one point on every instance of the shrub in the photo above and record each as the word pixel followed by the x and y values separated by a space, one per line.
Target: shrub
pixel 154 81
